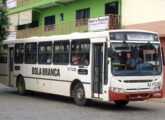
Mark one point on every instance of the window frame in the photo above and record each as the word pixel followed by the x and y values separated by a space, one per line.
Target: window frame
pixel 21 27
pixel 3 54
pixel 80 42
pixel 21 48
pixel 34 24
pixel 36 53
pixel 80 11
pixel 49 43
pixel 80 21
pixel 61 17
pixel 61 52
pixel 52 21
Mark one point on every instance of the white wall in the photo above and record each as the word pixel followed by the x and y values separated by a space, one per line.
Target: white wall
pixel 142 11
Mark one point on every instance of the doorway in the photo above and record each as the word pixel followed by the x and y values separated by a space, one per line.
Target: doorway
pixel 11 64
pixel 97 69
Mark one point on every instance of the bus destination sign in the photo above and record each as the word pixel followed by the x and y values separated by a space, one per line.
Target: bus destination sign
pixel 133 36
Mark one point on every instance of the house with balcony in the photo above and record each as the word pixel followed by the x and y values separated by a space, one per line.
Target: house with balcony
pixel 51 17
pixel 54 17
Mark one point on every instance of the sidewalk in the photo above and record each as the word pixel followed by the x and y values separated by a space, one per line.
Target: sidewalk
pixel 161 100
pixel 5 88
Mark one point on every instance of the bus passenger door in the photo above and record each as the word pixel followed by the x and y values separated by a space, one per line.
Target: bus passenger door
pixel 98 69
pixel 11 64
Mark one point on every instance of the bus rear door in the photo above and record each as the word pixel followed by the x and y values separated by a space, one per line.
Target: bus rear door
pixel 11 64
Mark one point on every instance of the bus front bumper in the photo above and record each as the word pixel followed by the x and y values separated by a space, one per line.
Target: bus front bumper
pixel 133 96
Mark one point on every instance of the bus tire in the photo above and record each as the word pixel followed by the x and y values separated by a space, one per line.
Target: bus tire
pixel 79 95
pixel 121 102
pixel 21 86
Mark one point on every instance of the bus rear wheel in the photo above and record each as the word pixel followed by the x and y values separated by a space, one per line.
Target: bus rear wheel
pixel 21 86
pixel 121 102
pixel 79 95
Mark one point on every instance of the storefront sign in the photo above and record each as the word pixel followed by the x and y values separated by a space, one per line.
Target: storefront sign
pixel 11 3
pixel 12 36
pixel 98 24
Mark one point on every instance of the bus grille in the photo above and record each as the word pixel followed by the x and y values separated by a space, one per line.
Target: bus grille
pixel 139 95
pixel 137 81
pixel 138 89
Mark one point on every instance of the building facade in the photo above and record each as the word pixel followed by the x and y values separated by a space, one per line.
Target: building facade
pixel 47 17
pixel 51 17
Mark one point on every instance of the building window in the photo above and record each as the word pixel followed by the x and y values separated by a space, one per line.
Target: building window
pixel 3 54
pixel 19 51
pixel 20 27
pixel 111 8
pixel 61 17
pixel 45 53
pixel 33 24
pixel 31 53
pixel 61 52
pixel 49 23
pixel 82 16
pixel 80 52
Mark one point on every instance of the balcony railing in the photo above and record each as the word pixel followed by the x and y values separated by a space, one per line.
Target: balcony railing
pixel 64 28
pixel 24 2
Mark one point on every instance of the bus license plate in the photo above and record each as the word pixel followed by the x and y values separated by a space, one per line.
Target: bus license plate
pixel 154 84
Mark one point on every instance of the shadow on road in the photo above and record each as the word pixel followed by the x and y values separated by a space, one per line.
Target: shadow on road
pixel 68 100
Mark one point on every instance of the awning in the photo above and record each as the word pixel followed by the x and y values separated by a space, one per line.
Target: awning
pixel 25 17
pixel 21 18
pixel 14 19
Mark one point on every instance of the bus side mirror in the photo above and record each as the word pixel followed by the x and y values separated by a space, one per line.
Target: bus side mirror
pixel 110 52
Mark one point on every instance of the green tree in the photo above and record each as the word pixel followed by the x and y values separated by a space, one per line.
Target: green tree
pixel 4 20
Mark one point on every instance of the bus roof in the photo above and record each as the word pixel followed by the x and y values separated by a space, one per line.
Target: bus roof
pixel 71 36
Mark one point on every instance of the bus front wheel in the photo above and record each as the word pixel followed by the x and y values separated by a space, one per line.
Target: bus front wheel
pixel 121 102
pixel 21 86
pixel 79 95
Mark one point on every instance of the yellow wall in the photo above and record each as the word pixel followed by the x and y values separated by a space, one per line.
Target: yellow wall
pixel 142 11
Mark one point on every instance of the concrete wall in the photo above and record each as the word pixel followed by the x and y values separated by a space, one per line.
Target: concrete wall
pixel 142 11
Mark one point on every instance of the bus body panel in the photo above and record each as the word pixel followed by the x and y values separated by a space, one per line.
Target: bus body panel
pixel 57 79
pixel 4 74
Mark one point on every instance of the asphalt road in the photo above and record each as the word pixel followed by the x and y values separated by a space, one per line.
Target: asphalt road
pixel 39 106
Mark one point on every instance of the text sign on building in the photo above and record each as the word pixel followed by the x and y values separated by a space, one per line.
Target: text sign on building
pixel 11 3
pixel 12 36
pixel 98 24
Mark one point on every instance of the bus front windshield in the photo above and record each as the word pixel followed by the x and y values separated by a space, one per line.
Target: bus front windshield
pixel 136 59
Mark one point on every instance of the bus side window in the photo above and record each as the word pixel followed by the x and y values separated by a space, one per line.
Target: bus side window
pixel 45 53
pixel 19 53
pixel 61 52
pixel 3 54
pixel 80 50
pixel 31 53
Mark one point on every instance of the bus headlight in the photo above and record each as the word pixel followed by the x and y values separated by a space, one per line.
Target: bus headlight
pixel 157 88
pixel 114 89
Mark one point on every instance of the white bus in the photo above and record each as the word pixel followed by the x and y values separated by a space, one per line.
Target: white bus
pixel 117 65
